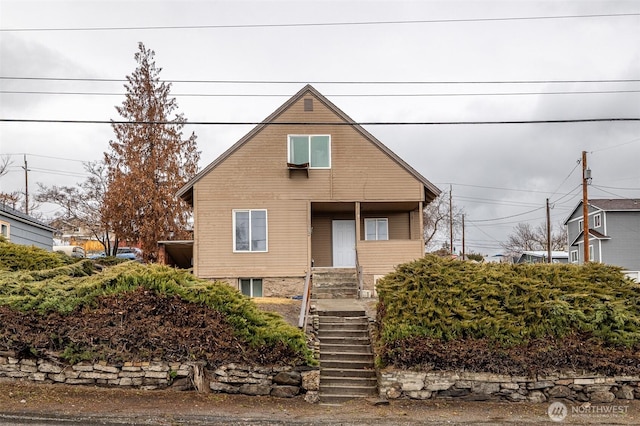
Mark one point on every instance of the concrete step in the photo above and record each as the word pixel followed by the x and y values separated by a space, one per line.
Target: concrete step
pixel 328 312
pixel 334 294
pixel 322 334
pixel 347 372
pixel 352 390
pixel 348 365
pixel 326 326
pixel 341 340
pixel 349 381
pixel 343 319
pixel 362 348
pixel 346 356
pixel 338 399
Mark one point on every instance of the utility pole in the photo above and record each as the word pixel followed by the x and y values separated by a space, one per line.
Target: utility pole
pixel 548 233
pixel 462 237
pixel 586 179
pixel 26 186
pixel 450 220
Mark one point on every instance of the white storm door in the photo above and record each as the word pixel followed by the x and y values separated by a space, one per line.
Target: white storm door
pixel 344 243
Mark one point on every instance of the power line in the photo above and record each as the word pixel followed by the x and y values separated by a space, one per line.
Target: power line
pixel 321 24
pixel 353 95
pixel 349 82
pixel 341 123
pixel 506 217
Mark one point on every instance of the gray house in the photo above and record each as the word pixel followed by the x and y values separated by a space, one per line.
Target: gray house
pixel 20 228
pixel 614 233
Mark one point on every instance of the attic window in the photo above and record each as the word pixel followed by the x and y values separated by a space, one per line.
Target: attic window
pixel 312 149
pixel 308 104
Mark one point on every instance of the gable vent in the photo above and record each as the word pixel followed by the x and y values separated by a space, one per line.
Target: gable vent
pixel 308 104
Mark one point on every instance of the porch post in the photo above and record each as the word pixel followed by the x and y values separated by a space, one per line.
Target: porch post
pixel 309 232
pixel 421 226
pixel 357 225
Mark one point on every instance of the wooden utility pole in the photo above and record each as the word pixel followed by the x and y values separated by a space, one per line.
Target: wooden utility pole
pixel 26 186
pixel 548 233
pixel 586 177
pixel 450 220
pixel 463 237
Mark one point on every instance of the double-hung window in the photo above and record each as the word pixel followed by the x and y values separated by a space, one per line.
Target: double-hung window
pixel 597 221
pixel 250 230
pixel 574 256
pixel 376 229
pixel 312 149
pixel 4 229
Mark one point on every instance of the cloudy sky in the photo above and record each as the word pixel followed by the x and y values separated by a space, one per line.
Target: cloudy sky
pixel 379 61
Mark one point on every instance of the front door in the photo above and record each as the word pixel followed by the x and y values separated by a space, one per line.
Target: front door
pixel 344 243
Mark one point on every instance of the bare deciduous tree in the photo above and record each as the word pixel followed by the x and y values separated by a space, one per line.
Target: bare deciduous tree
pixel 149 161
pixel 527 238
pixel 437 220
pixel 83 206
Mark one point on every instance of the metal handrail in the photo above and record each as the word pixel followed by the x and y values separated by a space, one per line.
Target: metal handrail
pixel 306 301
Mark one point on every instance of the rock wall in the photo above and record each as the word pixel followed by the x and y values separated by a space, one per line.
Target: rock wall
pixel 285 382
pixel 583 387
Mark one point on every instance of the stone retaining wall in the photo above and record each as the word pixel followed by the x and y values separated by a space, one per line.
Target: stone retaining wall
pixel 573 386
pixel 283 382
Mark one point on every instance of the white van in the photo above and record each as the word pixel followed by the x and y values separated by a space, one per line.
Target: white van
pixel 73 251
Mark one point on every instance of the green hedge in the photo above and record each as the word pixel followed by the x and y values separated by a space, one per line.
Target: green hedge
pixel 65 288
pixel 509 304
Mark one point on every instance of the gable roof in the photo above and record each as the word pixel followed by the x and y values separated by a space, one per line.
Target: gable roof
pixel 21 217
pixel 186 192
pixel 616 204
pixel 609 205
pixel 593 233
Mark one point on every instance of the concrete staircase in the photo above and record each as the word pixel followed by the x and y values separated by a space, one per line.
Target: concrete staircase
pixel 347 370
pixel 334 283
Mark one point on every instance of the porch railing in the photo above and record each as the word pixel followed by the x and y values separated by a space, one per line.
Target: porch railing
pixel 359 276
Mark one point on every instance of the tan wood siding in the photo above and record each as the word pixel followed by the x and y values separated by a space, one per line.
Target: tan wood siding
pixel 255 176
pixel 380 257
pixel 287 241
pixel 321 241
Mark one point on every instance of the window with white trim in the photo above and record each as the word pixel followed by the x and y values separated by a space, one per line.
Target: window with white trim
pixel 376 229
pixel 251 287
pixel 249 230
pixel 4 229
pixel 580 225
pixel 574 256
pixel 591 253
pixel 597 221
pixel 312 149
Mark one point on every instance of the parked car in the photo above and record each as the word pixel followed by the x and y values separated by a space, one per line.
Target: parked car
pixel 73 251
pixel 130 253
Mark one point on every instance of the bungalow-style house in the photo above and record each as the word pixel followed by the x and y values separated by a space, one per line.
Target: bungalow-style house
pixel 305 188
pixel 20 228
pixel 540 256
pixel 614 233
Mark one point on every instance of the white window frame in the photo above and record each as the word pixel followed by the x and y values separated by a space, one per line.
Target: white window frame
pixel 591 256
pixel 251 284
pixel 574 256
pixel 580 225
pixel 376 220
pixel 309 145
pixel 597 220
pixel 5 226
pixel 233 230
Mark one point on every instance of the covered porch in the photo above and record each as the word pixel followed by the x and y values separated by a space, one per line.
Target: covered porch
pixel 376 236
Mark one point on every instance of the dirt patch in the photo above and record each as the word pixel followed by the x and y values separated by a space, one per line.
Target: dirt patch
pixel 84 405
pixel 135 326
pixel 289 309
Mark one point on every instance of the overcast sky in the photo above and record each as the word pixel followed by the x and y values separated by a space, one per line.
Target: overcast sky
pixel 500 67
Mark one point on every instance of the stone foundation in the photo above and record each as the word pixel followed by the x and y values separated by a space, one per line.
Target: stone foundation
pixel 572 386
pixel 284 382
pixel 274 287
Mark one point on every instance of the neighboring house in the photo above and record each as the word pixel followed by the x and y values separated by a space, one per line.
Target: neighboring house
pixel 540 256
pixel 614 233
pixel 20 228
pixel 306 187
